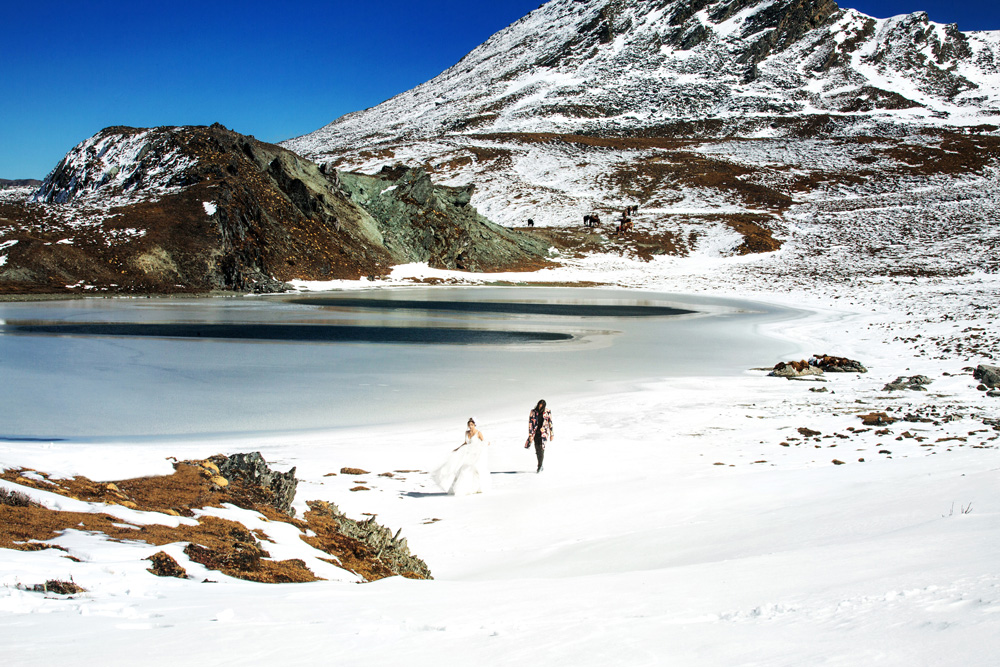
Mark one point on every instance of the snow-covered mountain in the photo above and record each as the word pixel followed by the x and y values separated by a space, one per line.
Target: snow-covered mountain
pixel 731 123
pixel 694 67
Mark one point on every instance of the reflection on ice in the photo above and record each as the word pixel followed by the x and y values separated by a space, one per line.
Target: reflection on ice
pixel 303 333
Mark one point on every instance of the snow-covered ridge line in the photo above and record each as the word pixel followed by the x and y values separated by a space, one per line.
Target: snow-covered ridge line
pixel 599 67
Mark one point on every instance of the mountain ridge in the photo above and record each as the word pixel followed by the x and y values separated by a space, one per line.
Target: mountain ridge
pixel 175 209
pixel 608 67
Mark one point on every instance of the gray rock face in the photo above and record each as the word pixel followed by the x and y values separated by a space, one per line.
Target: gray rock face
pixel 988 375
pixel 913 383
pixel 253 469
pixel 388 548
pixel 423 222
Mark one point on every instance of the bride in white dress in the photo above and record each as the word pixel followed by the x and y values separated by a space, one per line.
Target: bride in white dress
pixel 467 469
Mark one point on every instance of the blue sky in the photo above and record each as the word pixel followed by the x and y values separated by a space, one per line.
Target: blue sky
pixel 274 70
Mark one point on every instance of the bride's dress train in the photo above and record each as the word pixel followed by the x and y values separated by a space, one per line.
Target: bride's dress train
pixel 466 471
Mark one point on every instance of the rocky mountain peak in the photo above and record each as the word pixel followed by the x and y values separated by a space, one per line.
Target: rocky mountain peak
pixel 738 67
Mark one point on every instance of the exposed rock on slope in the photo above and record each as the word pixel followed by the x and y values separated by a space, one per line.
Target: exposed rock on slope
pixel 201 208
pixel 694 68
pixel 422 222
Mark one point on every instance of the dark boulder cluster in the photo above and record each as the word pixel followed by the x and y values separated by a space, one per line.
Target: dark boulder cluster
pixel 831 364
pixel 817 365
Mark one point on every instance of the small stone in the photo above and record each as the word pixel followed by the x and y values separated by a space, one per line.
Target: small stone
pixel 221 481
pixel 838 462
pixel 353 471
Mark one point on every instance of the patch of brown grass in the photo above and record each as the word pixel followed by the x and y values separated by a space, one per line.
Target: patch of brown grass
pixel 757 238
pixel 216 543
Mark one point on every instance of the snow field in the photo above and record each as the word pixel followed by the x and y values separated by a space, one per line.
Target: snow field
pixel 632 547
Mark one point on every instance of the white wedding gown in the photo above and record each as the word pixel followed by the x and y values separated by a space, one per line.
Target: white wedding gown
pixel 467 469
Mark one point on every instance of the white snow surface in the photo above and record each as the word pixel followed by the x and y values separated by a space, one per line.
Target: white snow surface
pixel 683 521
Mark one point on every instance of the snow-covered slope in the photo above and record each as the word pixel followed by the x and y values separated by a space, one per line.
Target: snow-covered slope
pixel 119 165
pixel 717 67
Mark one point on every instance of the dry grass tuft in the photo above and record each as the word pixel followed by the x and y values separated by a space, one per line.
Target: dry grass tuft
pixel 15 499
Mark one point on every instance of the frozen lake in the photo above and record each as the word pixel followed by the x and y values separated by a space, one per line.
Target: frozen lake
pixel 109 368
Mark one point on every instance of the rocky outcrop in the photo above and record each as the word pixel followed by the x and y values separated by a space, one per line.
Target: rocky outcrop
pixel 831 364
pixel 423 222
pixel 817 365
pixel 988 375
pixel 913 383
pixel 794 369
pixel 217 540
pixel 877 419
pixel 204 208
pixel 277 489
pixel 388 549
